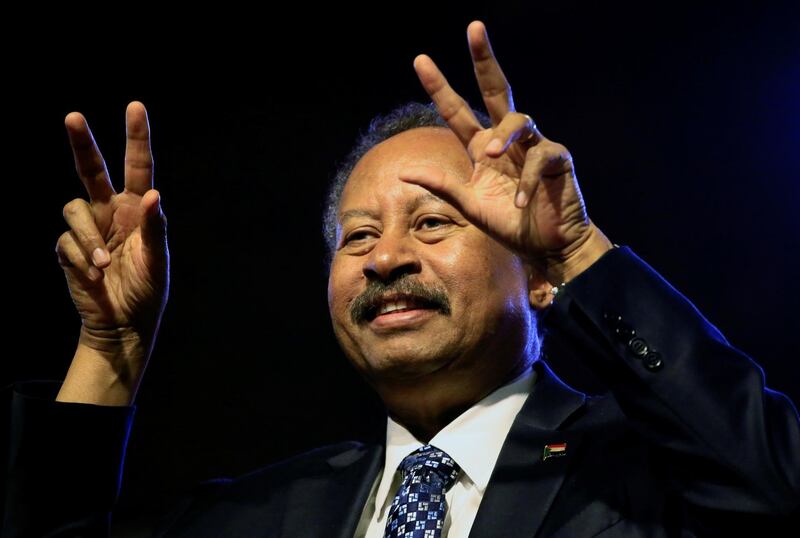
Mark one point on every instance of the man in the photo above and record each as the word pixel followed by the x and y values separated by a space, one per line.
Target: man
pixel 447 245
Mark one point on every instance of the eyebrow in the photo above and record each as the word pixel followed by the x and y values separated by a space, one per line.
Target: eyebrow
pixel 411 206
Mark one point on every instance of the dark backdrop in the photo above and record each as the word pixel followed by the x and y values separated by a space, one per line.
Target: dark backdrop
pixel 684 124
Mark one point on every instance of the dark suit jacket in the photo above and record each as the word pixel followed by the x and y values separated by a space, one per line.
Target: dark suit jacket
pixel 688 443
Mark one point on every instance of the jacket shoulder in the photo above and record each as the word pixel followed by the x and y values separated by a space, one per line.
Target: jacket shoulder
pixel 262 489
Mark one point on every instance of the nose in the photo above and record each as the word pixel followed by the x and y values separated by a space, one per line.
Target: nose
pixel 393 255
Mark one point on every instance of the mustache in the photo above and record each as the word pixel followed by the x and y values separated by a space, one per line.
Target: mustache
pixel 365 306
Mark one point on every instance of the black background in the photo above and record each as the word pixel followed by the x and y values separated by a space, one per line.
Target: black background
pixel 684 123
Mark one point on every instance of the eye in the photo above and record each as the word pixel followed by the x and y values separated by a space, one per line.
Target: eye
pixel 432 223
pixel 356 236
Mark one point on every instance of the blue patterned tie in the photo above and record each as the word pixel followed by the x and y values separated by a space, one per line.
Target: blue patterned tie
pixel 418 508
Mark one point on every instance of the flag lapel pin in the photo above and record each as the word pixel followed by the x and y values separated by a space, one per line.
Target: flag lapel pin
pixel 554 451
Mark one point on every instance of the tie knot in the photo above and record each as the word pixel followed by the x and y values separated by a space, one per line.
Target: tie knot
pixel 432 464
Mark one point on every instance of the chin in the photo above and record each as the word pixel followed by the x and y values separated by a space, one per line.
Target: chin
pixel 400 366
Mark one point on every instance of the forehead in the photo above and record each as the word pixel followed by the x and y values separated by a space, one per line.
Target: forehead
pixel 376 175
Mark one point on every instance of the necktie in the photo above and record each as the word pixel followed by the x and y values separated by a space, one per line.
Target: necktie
pixel 419 506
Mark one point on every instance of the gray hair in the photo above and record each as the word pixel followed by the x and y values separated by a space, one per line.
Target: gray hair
pixel 403 118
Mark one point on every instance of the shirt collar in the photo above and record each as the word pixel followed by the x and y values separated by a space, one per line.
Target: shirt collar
pixel 473 439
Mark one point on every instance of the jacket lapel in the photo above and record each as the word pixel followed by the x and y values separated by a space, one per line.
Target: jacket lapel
pixel 336 499
pixel 524 482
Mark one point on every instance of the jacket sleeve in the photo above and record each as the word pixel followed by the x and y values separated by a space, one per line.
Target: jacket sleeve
pixel 64 463
pixel 728 441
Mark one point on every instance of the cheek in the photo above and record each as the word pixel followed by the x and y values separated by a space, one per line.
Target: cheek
pixel 465 272
pixel 343 287
pixel 485 277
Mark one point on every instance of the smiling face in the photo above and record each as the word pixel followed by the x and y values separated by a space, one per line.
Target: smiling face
pixel 414 288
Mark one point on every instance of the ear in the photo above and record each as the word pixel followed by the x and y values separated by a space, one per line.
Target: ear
pixel 538 288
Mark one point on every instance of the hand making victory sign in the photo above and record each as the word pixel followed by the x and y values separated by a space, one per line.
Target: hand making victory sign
pixel 523 191
pixel 116 262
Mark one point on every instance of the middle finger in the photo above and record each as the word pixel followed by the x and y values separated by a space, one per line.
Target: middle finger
pixel 494 86
pixel 138 154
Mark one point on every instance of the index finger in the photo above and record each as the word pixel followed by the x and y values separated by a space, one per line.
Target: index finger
pixel 89 162
pixel 138 155
pixel 451 106
pixel 493 84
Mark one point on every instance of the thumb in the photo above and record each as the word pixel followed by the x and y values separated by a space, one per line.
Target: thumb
pixel 154 223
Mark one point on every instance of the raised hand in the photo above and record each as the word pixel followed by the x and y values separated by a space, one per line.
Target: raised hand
pixel 115 255
pixel 523 191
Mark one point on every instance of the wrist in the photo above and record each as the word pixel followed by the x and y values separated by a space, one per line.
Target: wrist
pixel 559 270
pixel 114 341
pixel 107 367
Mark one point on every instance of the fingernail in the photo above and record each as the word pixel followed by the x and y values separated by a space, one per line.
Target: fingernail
pixel 94 273
pixel 521 199
pixel 495 145
pixel 99 256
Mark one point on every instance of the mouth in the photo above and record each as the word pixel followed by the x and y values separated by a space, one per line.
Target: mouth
pixel 400 301
pixel 393 305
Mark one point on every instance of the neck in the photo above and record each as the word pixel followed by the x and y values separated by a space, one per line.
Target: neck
pixel 427 404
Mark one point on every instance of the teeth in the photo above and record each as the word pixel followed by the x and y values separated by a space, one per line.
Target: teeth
pixel 392 306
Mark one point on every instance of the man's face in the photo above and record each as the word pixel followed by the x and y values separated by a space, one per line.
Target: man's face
pixel 414 287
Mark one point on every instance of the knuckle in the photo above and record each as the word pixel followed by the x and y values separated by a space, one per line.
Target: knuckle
pixel 518 117
pixel 535 154
pixel 64 262
pixel 564 157
pixel 69 209
pixel 496 91
pixel 72 207
pixel 62 241
pixel 547 147
pixel 554 148
pixel 516 121
pixel 508 124
pixel 449 110
pixel 553 151
pixel 63 256
pixel 561 149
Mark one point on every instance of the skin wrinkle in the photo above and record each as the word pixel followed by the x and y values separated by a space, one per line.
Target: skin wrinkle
pixel 425 196
pixel 411 206
pixel 430 370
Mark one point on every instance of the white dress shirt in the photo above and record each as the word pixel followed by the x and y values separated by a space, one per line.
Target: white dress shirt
pixel 473 440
